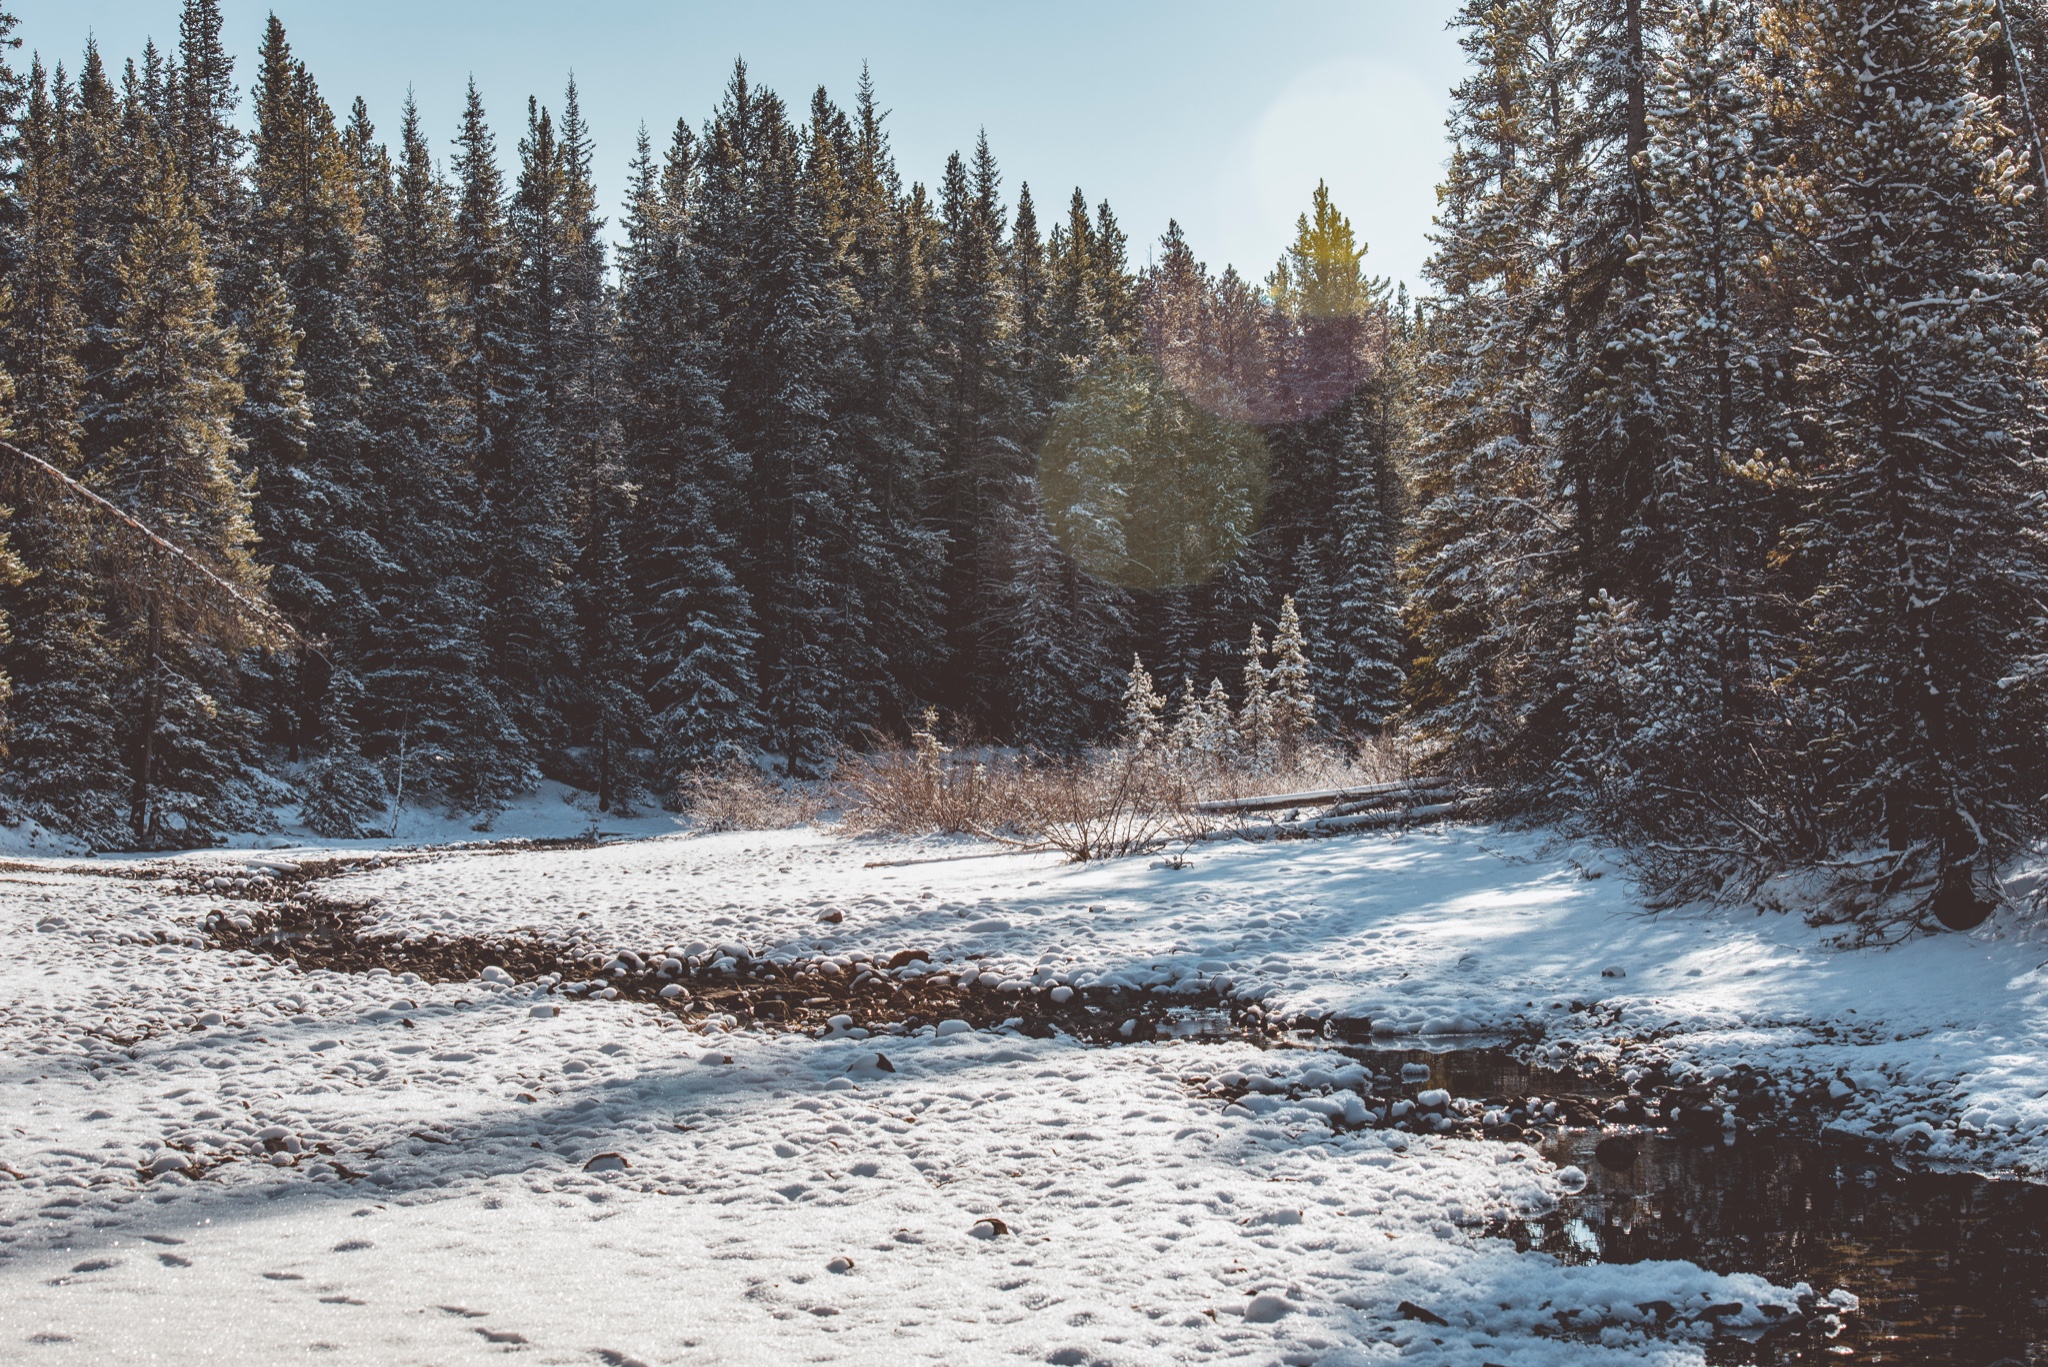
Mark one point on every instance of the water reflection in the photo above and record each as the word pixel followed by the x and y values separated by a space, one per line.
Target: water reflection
pixel 1951 1268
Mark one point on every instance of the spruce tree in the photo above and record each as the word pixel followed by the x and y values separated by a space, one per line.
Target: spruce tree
pixel 504 437
pixel 695 622
pixel 172 464
pixel 1490 601
pixel 1924 406
pixel 312 513
pixel 1292 698
pixel 63 757
pixel 786 325
pixel 427 688
pixel 1144 709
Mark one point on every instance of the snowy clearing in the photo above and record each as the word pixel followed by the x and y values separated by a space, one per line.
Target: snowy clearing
pixel 391 1171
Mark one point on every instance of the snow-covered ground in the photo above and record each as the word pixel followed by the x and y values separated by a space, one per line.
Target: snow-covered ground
pixel 440 1192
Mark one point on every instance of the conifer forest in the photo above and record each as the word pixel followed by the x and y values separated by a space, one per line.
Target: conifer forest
pixel 1697 493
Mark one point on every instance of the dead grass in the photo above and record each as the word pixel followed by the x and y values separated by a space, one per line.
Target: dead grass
pixel 739 797
pixel 1103 804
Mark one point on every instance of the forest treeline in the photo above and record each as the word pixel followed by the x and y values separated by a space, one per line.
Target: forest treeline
pixel 1700 495
pixel 808 451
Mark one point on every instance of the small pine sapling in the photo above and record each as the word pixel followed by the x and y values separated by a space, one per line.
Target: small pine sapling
pixel 1144 710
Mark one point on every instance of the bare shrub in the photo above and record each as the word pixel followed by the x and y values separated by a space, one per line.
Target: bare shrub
pixel 1312 765
pixel 1105 805
pixel 928 788
pixel 739 797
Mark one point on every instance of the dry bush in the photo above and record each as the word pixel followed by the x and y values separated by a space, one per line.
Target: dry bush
pixel 1104 804
pixel 739 797
pixel 927 788
pixel 1101 805
pixel 1107 804
pixel 1312 766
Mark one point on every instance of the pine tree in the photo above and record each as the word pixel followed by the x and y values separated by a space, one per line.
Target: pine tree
pixel 1144 709
pixel 1366 643
pixel 889 413
pixel 1291 701
pixel 1490 603
pixel 1924 405
pixel 172 465
pixel 63 758
pixel 985 469
pixel 424 669
pixel 524 626
pixel 1257 726
pixel 695 621
pixel 312 514
pixel 786 324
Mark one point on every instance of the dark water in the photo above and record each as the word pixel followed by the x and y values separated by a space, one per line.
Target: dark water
pixel 1951 1268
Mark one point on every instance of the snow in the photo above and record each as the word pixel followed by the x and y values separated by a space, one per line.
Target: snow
pixel 391 1171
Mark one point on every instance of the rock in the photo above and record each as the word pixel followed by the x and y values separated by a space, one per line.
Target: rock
pixel 1614 972
pixel 672 990
pixel 545 1011
pixel 840 1265
pixel 989 1227
pixel 608 1162
pixel 1128 1029
pixel 1411 1311
pixel 903 958
pixel 1268 1306
pixel 714 1058
pixel 1616 1153
pixel 833 917
pixel 170 1160
pixel 1571 1178
pixel 1061 995
pixel 994 925
pixel 953 1027
pixel 1435 1099
pixel 840 1022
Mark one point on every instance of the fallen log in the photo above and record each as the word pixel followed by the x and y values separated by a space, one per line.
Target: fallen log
pixel 1338 825
pixel 1273 802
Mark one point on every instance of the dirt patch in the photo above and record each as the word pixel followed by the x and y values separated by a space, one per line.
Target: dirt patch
pixel 281 915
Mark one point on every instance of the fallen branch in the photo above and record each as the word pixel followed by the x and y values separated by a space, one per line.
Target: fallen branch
pixel 1338 825
pixel 269 616
pixel 1273 802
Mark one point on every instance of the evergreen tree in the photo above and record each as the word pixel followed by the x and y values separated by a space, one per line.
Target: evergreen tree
pixel 1144 709
pixel 1257 726
pixel 695 621
pixel 1490 603
pixel 63 755
pixel 312 512
pixel 425 672
pixel 1292 700
pixel 172 465
pixel 785 332
pixel 1924 407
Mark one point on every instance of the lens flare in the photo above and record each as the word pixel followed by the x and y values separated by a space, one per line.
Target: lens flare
pixel 1145 488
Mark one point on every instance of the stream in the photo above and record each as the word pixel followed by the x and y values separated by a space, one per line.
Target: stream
pixel 1951 1268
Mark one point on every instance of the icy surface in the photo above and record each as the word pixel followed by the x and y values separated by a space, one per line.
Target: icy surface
pixel 258 1163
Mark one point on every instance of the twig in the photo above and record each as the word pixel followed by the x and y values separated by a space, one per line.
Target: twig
pixel 265 613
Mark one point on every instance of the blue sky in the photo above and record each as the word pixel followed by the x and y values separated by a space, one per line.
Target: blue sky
pixel 1220 115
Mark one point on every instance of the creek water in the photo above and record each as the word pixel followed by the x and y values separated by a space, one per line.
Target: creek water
pixel 1951 1268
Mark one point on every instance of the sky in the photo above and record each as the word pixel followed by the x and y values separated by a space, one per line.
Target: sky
pixel 1222 116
